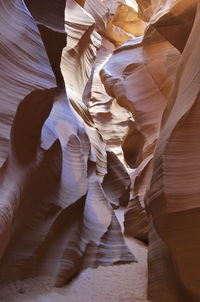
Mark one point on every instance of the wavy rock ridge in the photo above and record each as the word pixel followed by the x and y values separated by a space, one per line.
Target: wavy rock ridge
pixel 151 75
pixel 56 198
pixel 82 83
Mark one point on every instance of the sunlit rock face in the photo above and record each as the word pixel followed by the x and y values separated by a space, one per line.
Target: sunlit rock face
pixel 132 76
pixel 56 212
pixel 172 197
pixel 112 119
pixel 88 89
pixel 148 76
pixel 125 24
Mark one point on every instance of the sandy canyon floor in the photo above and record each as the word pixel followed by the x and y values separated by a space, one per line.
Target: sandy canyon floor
pixel 119 283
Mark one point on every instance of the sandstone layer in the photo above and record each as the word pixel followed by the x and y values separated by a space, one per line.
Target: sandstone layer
pixel 148 76
pixel 99 109
pixel 56 212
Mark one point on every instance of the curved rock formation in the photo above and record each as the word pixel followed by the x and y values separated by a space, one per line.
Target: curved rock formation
pixel 122 79
pixel 173 195
pixel 56 216
pixel 80 82
pixel 172 198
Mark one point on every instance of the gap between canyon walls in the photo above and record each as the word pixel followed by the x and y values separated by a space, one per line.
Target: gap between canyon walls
pixel 99 98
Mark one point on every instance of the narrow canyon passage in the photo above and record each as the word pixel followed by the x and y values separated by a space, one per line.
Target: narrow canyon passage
pixel 127 282
pixel 99 150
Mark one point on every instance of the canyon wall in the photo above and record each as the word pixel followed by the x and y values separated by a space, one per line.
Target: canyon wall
pixel 155 77
pixel 58 179
pixel 99 109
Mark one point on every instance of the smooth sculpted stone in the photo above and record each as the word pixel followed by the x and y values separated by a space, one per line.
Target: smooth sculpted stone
pixel 132 76
pixel 81 81
pixel 124 25
pixel 149 76
pixel 24 65
pixel 58 182
pixel 173 197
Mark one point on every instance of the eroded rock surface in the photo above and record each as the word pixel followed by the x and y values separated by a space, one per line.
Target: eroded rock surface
pixel 56 199
pixel 149 76
pixel 131 75
pixel 84 84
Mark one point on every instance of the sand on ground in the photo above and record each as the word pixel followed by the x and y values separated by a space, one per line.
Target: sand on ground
pixel 117 283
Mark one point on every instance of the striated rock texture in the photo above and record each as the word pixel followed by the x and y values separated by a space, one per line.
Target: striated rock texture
pixel 82 81
pixel 58 181
pixel 173 195
pixel 131 75
pixel 148 76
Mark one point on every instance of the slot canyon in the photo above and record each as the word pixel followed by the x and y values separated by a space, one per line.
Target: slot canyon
pixel 99 152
